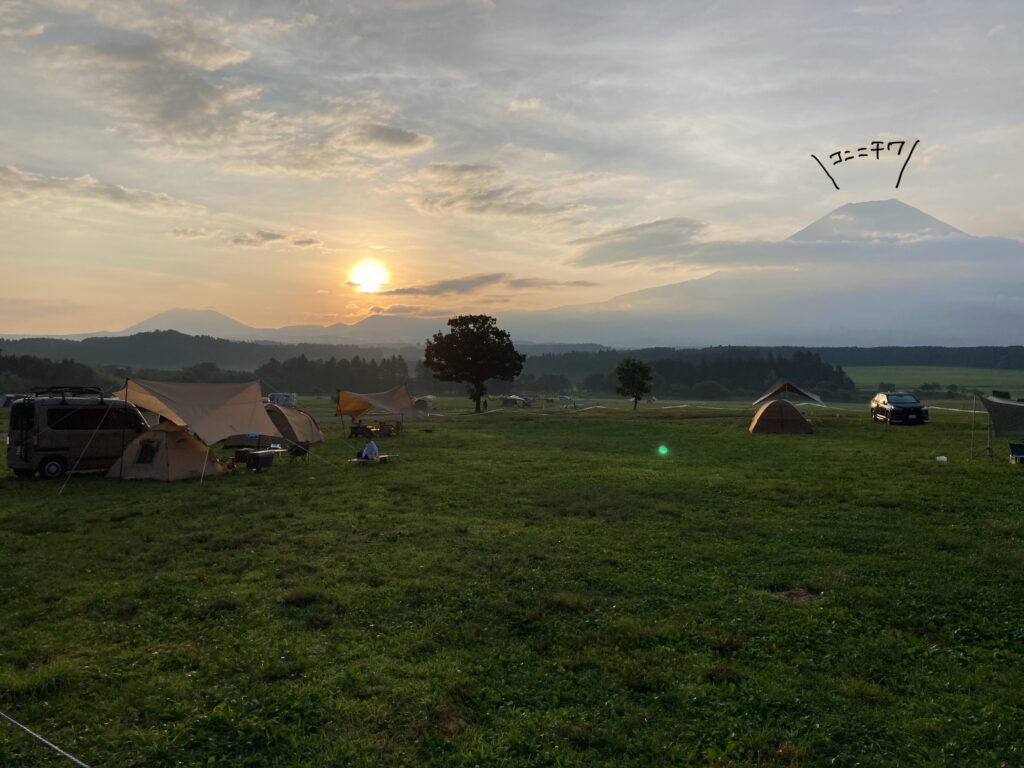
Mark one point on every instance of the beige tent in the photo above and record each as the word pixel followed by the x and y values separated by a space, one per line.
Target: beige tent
pixel 295 425
pixel 780 417
pixel 783 385
pixel 425 402
pixel 212 411
pixel 395 400
pixel 165 452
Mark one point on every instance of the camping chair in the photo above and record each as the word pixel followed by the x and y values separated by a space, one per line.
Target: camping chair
pixel 299 451
pixel 1017 453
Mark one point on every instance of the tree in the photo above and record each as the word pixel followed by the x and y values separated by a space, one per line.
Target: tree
pixel 475 350
pixel 634 378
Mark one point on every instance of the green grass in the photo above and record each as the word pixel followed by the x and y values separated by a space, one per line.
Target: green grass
pixel 527 589
pixel 909 376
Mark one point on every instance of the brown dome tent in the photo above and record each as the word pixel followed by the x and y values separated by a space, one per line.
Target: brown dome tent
pixel 780 417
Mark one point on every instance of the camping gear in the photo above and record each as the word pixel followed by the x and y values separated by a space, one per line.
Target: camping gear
pixel 295 425
pixel 165 452
pixel 780 417
pixel 211 411
pixel 396 400
pixel 425 402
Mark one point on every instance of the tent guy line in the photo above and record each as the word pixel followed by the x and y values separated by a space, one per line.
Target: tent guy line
pixel 50 744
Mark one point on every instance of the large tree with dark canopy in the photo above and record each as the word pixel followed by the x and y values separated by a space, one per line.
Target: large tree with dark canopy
pixel 634 378
pixel 473 351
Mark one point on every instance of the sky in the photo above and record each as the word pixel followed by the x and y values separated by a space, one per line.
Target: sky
pixel 313 162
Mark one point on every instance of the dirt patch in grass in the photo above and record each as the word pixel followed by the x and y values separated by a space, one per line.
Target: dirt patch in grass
pixel 800 595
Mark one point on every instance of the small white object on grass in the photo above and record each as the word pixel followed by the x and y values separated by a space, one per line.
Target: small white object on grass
pixel 941 458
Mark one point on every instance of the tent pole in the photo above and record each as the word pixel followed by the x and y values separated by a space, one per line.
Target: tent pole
pixel 974 405
pixel 206 457
pixel 120 469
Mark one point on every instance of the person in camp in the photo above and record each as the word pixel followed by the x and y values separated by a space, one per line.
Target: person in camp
pixel 370 451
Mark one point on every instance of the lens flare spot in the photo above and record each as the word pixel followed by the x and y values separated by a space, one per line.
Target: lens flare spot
pixel 663 450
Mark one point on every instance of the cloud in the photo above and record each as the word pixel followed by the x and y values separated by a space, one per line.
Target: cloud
pixel 665 240
pixel 526 105
pixel 176 88
pixel 195 233
pixel 471 283
pixel 306 242
pixel 456 285
pixel 398 309
pixel 18 187
pixel 256 239
pixel 482 190
pixel 383 140
pixel 526 283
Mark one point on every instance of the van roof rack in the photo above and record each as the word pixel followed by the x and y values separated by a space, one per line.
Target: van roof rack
pixel 67 391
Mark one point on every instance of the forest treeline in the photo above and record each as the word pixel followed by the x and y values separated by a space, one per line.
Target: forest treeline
pixel 171 350
pixel 700 374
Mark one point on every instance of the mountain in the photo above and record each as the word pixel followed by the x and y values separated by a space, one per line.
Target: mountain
pixel 878 273
pixel 195 322
pixel 878 220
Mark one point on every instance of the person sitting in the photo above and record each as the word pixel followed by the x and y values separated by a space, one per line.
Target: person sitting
pixel 370 451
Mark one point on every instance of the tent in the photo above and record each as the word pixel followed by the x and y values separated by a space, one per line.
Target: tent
pixel 295 425
pixel 165 452
pixel 1006 416
pixel 514 401
pixel 784 385
pixel 780 417
pixel 425 402
pixel 395 400
pixel 211 411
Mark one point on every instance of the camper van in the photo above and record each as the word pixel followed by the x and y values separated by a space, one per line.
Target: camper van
pixel 60 428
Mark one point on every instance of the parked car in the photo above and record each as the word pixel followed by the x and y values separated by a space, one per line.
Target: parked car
pixel 56 429
pixel 898 408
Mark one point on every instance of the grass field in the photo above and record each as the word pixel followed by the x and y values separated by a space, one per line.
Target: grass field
pixel 531 589
pixel 909 376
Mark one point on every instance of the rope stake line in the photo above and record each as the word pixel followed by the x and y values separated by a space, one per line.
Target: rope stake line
pixel 51 745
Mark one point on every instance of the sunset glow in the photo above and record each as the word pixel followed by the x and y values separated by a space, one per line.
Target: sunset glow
pixel 369 276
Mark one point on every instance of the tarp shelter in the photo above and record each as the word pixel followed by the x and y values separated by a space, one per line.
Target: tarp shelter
pixel 1005 416
pixel 396 400
pixel 783 385
pixel 780 417
pixel 165 452
pixel 212 411
pixel 513 401
pixel 295 425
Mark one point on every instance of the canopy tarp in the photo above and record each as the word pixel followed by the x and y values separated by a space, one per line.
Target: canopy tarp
pixel 396 400
pixel 1007 416
pixel 785 385
pixel 213 411
pixel 780 417
pixel 165 452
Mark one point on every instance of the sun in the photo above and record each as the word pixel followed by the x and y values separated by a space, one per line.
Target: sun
pixel 369 276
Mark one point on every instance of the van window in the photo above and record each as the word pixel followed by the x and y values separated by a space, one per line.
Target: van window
pixel 90 418
pixel 22 416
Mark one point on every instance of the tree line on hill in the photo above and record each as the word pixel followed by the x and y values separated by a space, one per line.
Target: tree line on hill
pixel 171 350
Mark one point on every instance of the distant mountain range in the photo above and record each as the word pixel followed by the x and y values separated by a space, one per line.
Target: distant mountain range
pixel 870 274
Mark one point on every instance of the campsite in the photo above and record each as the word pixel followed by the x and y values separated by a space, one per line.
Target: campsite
pixel 536 586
